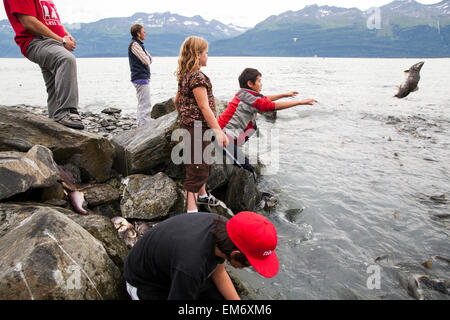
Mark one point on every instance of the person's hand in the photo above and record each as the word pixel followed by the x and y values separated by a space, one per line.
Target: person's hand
pixel 222 139
pixel 70 43
pixel 73 39
pixel 226 141
pixel 291 94
pixel 309 102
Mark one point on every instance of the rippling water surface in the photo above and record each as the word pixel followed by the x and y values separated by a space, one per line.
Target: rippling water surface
pixel 355 173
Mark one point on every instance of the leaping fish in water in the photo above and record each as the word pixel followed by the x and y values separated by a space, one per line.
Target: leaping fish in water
pixel 412 80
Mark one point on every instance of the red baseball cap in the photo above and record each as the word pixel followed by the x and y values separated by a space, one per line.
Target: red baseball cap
pixel 256 237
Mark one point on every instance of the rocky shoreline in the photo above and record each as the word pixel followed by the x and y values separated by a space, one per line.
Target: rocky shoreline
pixel 72 203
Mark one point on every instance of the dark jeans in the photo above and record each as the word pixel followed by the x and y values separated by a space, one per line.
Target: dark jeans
pixel 240 160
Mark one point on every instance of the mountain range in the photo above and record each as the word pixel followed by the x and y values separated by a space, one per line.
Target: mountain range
pixel 402 28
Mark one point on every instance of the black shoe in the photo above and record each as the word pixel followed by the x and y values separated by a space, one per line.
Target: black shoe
pixel 71 120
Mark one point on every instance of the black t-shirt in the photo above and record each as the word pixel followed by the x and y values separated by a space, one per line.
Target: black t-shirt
pixel 174 259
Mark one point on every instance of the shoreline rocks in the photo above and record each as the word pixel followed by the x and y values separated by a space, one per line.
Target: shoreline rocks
pixel 21 130
pixel 20 172
pixel 49 256
pixel 121 171
pixel 146 149
pixel 150 197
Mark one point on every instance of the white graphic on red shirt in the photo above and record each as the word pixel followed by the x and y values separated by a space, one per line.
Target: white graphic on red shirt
pixel 49 13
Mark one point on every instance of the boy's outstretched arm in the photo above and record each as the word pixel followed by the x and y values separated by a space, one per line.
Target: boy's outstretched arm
pixel 283 95
pixel 289 104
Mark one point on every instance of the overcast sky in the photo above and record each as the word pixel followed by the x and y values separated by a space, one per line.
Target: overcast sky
pixel 239 12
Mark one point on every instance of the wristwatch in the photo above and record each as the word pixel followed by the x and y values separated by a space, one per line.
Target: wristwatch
pixel 64 42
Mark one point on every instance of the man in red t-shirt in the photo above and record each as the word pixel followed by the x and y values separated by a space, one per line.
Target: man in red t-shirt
pixel 44 40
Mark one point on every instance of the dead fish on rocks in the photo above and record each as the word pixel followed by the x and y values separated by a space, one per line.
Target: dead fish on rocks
pixel 71 183
pixel 70 175
pixel 221 210
pixel 412 80
pixel 142 227
pixel 78 202
pixel 126 231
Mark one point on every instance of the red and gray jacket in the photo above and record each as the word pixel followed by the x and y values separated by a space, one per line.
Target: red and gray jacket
pixel 238 121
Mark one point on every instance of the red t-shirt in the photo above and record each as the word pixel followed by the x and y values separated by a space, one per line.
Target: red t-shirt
pixel 43 10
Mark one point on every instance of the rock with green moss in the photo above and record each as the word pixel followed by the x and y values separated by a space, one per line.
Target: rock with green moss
pixel 149 197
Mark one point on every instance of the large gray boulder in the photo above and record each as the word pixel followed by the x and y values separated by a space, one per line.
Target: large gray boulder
pixel 146 149
pixel 20 130
pixel 150 197
pixel 242 193
pixel 163 108
pixel 20 172
pixel 48 256
pixel 219 176
pixel 100 227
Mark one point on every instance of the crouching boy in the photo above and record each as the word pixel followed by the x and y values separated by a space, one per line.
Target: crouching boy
pixel 183 258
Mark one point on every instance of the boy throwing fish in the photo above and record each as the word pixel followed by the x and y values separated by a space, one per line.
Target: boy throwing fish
pixel 238 121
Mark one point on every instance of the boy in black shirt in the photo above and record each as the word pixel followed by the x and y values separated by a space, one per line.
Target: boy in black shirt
pixel 183 258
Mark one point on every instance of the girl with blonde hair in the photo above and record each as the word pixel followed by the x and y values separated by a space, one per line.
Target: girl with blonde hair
pixel 196 105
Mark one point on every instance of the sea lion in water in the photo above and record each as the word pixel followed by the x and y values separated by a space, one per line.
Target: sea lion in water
pixel 412 80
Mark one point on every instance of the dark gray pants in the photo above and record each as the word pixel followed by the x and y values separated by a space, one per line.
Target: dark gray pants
pixel 59 69
pixel 240 158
